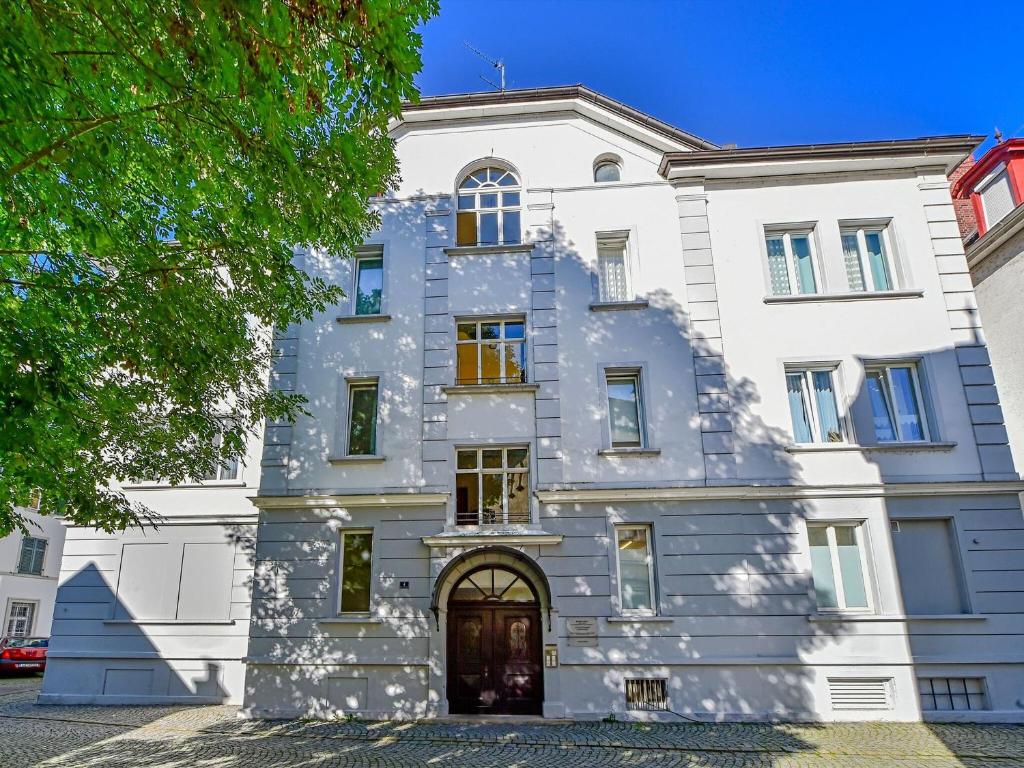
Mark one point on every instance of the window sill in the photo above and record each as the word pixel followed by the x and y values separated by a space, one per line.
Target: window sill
pixel 483 250
pixel 488 389
pixel 372 459
pixel 356 319
pixel 618 306
pixel 354 618
pixel 805 298
pixel 639 619
pixel 837 617
pixel 178 622
pixel 505 534
pixel 168 486
pixel 629 452
pixel 842 447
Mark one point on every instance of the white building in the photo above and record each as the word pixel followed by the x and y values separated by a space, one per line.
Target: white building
pixel 614 420
pixel 29 564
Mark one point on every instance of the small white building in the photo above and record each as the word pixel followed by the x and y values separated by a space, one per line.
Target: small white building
pixel 29 564
pixel 613 421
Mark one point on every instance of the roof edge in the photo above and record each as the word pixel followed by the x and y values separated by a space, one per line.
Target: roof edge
pixel 554 93
pixel 984 164
pixel 930 145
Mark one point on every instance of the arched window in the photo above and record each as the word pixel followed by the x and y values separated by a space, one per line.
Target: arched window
pixel 493 584
pixel 489 208
pixel 606 170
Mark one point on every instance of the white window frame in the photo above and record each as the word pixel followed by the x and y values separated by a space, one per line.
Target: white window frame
pixel 601 162
pixel 33 616
pixel 479 471
pixel 341 569
pixel 362 382
pixel 367 253
pixel 860 229
pixel 649 530
pixel 502 340
pixel 637 375
pixel 489 188
pixel 786 232
pixel 860 536
pixel 615 239
pixel 21 548
pixel 805 370
pixel 919 393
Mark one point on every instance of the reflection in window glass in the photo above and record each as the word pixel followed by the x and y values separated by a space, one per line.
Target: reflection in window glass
pixel 355 571
pixel 606 171
pixel 369 285
pixel 635 575
pixel 624 410
pixel 485 216
pixel 492 486
pixel 491 352
pixel 362 423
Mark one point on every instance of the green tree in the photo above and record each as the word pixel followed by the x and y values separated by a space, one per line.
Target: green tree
pixel 160 161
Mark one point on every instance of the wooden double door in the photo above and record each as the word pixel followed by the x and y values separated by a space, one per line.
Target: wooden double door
pixel 494 659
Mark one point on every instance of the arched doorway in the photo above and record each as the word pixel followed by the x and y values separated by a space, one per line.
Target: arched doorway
pixel 494 644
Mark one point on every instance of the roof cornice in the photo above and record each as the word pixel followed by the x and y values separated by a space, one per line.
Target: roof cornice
pixel 801 156
pixel 553 94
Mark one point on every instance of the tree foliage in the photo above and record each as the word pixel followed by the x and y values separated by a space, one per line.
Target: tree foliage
pixel 160 162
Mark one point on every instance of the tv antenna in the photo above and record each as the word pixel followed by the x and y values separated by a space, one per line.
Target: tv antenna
pixel 498 64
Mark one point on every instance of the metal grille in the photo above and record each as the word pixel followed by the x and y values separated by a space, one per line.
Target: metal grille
pixel 859 693
pixel 952 694
pixel 648 695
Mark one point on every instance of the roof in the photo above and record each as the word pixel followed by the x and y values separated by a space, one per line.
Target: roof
pixel 559 93
pixel 1001 152
pixel 933 145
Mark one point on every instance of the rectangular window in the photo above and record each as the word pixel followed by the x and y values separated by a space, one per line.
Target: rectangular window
pixel 369 284
pixel 812 405
pixel 636 568
pixel 492 486
pixel 868 256
pixel 897 403
pixel 226 471
pixel 791 262
pixel 491 352
pixel 362 418
pixel 625 410
pixel 613 267
pixel 838 566
pixel 20 619
pixel 33 553
pixel 356 569
pixel 952 694
pixel 996 199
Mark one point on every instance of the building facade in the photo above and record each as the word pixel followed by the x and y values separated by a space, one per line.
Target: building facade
pixel 615 421
pixel 29 564
pixel 994 189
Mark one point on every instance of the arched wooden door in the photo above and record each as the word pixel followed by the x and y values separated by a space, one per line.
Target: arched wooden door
pixel 494 645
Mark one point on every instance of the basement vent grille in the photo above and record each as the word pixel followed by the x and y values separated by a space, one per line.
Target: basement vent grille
pixel 648 695
pixel 860 693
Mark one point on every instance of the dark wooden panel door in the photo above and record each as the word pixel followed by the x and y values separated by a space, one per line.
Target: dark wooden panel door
pixel 494 664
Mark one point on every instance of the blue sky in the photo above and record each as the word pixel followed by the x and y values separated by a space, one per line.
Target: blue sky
pixel 755 73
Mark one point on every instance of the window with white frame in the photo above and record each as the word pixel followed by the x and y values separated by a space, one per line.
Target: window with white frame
pixel 492 486
pixel 227 470
pixel 32 556
pixel 369 283
pixel 362 417
pixel 897 402
pixel 606 170
pixel 613 266
pixel 625 409
pixel 792 264
pixel 635 569
pixel 490 208
pixel 839 566
pixel 20 618
pixel 996 198
pixel 356 571
pixel 491 352
pixel 813 405
pixel 868 255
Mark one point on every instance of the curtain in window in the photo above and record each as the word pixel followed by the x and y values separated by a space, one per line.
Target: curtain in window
pixel 885 431
pixel 876 258
pixel 851 255
pixel 802 265
pixel 908 410
pixel 777 271
pixel 634 570
pixel 612 272
pixel 825 399
pixel 798 408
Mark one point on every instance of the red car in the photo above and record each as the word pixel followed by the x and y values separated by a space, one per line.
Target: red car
pixel 23 654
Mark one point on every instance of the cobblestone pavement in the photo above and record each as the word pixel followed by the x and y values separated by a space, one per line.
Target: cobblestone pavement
pixel 213 737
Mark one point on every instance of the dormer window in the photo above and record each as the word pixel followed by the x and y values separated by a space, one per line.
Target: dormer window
pixel 996 198
pixel 490 208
